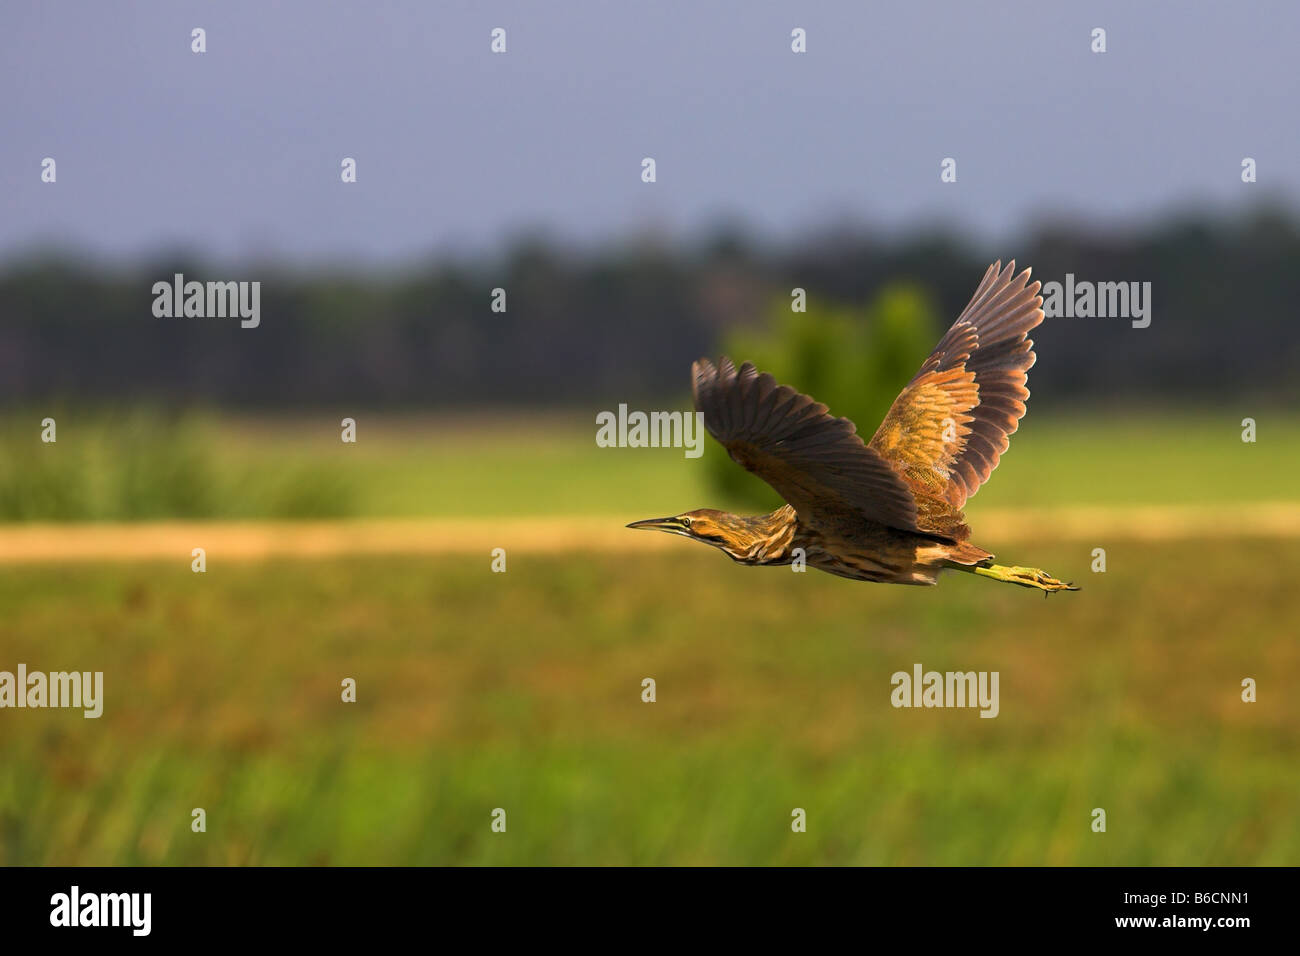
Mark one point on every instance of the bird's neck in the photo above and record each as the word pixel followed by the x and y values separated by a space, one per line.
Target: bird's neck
pixel 768 538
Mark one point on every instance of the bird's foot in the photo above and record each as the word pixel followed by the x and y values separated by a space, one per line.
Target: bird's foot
pixel 1025 578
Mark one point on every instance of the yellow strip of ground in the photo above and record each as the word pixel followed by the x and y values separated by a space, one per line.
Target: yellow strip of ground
pixel 21 543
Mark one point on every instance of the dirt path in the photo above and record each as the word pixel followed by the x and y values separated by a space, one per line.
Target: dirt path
pixel 259 540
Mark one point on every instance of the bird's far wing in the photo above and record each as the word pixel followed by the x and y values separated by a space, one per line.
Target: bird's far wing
pixel 948 428
pixel 817 463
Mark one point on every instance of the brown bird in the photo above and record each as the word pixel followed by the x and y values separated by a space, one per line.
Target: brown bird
pixel 888 510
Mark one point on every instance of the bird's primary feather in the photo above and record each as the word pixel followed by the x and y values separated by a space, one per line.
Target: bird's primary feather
pixel 816 462
pixel 947 430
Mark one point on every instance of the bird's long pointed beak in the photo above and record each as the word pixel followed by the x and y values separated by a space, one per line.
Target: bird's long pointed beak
pixel 658 524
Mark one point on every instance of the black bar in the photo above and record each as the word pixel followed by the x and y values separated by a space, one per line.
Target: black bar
pixel 329 906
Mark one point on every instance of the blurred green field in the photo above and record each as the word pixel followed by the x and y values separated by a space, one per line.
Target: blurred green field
pixel 522 691
pixel 143 466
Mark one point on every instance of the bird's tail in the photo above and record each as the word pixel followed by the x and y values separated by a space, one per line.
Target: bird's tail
pixel 965 554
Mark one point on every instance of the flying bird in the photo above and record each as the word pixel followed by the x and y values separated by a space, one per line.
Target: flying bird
pixel 890 509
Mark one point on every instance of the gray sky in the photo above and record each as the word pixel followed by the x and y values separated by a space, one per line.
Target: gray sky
pixel 235 153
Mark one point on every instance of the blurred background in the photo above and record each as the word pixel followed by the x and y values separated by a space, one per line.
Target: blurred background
pixel 522 171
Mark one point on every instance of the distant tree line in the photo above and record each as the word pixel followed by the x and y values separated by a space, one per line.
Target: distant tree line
pixel 624 323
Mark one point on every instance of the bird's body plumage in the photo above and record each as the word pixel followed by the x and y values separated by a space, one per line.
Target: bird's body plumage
pixel 887 510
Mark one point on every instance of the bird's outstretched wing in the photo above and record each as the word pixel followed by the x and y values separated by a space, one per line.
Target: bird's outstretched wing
pixel 947 429
pixel 817 463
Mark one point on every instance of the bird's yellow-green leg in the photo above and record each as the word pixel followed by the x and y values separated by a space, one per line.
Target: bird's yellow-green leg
pixel 1025 577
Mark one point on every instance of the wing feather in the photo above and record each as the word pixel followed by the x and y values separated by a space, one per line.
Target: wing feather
pixel 816 462
pixel 950 426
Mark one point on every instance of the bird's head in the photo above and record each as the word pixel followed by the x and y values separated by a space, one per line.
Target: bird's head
pixel 730 533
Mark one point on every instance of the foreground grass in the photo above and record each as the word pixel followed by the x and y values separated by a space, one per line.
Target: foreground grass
pixel 147 466
pixel 522 691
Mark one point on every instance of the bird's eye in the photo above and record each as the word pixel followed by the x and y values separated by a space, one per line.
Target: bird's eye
pixel 686 522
